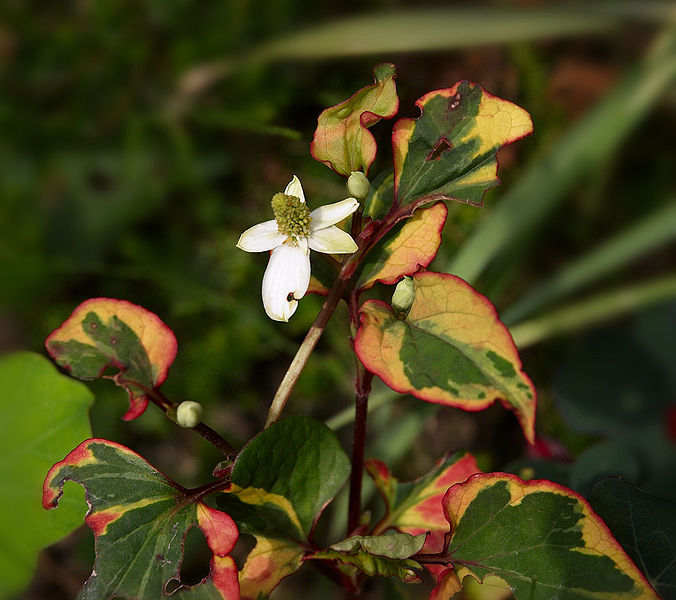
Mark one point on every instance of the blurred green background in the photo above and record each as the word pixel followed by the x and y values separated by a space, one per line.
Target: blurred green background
pixel 140 138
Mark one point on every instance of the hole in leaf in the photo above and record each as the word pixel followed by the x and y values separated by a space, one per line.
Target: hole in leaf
pixel 244 545
pixel 441 146
pixel 173 585
pixel 197 555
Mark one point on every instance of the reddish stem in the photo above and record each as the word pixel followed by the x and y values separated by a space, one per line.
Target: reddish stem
pixel 210 435
pixel 362 392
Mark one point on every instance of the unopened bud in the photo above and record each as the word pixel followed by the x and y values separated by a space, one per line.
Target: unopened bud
pixel 188 413
pixel 404 295
pixel 358 185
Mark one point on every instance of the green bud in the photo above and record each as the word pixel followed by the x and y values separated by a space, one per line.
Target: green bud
pixel 292 216
pixel 188 413
pixel 358 185
pixel 403 296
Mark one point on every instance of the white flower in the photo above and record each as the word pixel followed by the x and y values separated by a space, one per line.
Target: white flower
pixel 291 235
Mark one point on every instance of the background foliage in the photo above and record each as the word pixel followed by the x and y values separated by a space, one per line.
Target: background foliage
pixel 140 138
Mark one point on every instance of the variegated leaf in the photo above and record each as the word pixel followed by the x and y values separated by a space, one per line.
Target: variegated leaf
pixel 342 140
pixel 140 519
pixel 104 333
pixel 451 349
pixel 449 151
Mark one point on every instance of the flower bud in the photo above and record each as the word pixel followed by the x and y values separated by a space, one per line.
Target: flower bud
pixel 358 185
pixel 404 295
pixel 188 413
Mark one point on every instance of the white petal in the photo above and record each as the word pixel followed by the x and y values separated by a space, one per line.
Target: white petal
pixel 287 274
pixel 295 189
pixel 332 240
pixel 261 237
pixel 328 215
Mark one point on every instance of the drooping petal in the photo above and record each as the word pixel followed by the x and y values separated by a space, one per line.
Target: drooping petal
pixel 286 280
pixel 332 240
pixel 328 215
pixel 260 238
pixel 295 189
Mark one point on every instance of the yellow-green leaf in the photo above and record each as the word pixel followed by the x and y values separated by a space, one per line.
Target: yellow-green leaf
pixel 269 562
pixel 449 151
pixel 410 247
pixel 451 349
pixel 384 555
pixel 104 333
pixel 541 538
pixel 342 140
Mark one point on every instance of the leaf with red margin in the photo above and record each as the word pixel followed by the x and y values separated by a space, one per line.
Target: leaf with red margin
pixel 412 245
pixel 342 140
pixel 543 539
pixel 451 349
pixel 449 151
pixel 140 519
pixel 415 507
pixel 106 333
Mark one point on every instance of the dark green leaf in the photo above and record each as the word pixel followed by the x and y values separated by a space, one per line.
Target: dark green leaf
pixel 645 526
pixel 299 459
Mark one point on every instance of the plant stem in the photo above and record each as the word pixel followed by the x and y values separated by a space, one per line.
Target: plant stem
pixel 215 439
pixel 366 239
pixel 211 436
pixel 363 390
pixel 303 353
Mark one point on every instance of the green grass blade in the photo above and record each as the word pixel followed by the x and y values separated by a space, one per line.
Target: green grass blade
pixel 652 232
pixel 425 30
pixel 593 311
pixel 581 151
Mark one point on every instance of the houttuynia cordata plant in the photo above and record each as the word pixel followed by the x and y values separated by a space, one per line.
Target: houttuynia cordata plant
pixel 423 333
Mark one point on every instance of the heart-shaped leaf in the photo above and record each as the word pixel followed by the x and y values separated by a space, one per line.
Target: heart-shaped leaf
pixel 412 245
pixel 104 333
pixel 281 482
pixel 451 349
pixel 140 519
pixel 449 151
pixel 342 140
pixel 542 539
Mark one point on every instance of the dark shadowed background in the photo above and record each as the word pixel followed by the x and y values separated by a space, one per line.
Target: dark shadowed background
pixel 138 139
